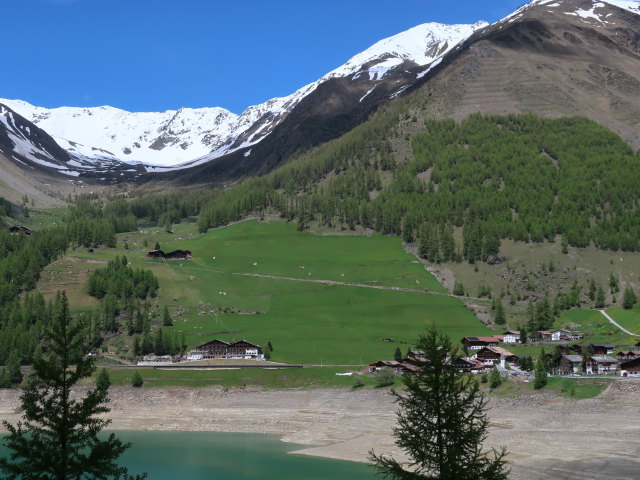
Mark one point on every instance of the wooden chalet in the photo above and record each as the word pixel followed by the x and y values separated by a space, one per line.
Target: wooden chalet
pixel 19 229
pixel 630 368
pixel 544 335
pixel 600 364
pixel 469 365
pixel 178 255
pixel 637 344
pixel 398 368
pixel 570 349
pixel 175 255
pixel 600 348
pixel 216 349
pixel 495 355
pixel 478 343
pixel 569 365
pixel 628 355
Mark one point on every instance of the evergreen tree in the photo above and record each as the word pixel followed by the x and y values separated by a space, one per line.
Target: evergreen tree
pixel 103 382
pixel 59 437
pixel 458 289
pixel 629 298
pixel 5 378
pixel 494 378
pixel 441 422
pixel 599 298
pixel 613 284
pixel 523 335
pixel 397 355
pixel 136 380
pixel 500 317
pixel 592 290
pixel 13 368
pixel 166 318
pixel 541 374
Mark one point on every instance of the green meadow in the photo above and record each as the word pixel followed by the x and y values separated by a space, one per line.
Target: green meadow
pixel 595 327
pixel 213 296
pixel 629 319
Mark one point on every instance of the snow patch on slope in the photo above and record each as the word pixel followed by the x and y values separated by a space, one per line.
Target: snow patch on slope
pixel 632 6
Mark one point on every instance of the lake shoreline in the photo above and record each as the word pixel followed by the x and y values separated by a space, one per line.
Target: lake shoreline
pixel 548 437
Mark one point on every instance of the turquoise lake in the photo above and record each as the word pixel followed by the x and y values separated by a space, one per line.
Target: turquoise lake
pixel 229 456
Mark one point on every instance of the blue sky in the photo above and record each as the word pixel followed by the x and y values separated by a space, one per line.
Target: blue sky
pixel 154 55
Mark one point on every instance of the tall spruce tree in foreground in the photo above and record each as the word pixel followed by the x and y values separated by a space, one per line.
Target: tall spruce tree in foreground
pixel 442 422
pixel 59 437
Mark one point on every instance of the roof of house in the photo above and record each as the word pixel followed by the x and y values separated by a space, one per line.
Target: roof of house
pixel 499 351
pixel 573 358
pixel 243 342
pixel 630 363
pixel 603 359
pixel 509 332
pixel 629 352
pixel 410 366
pixel 605 345
pixel 493 339
pixel 561 330
pixel 216 341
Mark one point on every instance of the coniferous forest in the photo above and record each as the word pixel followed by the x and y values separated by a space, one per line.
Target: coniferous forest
pixel 517 177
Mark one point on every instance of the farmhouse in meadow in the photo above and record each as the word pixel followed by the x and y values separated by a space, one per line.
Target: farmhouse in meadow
pixel 477 343
pixel 217 349
pixel 175 255
pixel 19 229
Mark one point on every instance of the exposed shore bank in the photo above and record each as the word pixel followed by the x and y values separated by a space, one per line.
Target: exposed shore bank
pixel 548 437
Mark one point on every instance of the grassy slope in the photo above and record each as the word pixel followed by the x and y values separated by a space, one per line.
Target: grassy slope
pixel 629 319
pixel 527 260
pixel 306 322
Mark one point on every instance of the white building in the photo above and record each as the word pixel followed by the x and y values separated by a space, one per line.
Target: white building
pixel 511 337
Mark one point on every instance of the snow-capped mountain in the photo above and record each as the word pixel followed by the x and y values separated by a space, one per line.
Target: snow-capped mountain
pixel 188 137
pixel 31 146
